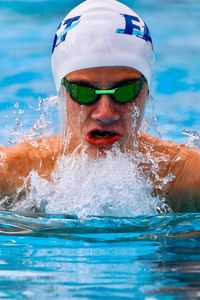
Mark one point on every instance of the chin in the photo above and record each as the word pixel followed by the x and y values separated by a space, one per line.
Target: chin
pixel 99 151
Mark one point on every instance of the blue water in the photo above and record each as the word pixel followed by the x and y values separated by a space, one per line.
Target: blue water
pixel 52 257
pixel 61 257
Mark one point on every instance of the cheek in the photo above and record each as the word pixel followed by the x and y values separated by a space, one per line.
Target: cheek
pixel 141 107
pixel 130 111
pixel 141 102
pixel 77 115
pixel 73 114
pixel 133 114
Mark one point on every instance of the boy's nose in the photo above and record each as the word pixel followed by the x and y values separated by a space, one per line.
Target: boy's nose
pixel 106 111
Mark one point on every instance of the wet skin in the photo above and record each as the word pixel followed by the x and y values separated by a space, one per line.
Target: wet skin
pixel 182 193
pixel 105 115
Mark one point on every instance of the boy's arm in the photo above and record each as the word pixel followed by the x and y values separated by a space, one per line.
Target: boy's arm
pixel 16 162
pixel 183 192
pixel 15 165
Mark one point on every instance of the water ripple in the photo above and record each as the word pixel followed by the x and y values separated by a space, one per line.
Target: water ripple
pixel 105 229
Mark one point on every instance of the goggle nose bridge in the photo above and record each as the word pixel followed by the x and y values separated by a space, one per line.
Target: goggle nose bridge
pixel 105 92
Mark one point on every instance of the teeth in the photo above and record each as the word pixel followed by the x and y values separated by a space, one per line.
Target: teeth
pixel 102 134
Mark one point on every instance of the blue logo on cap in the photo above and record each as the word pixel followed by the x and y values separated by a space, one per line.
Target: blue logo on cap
pixel 67 26
pixel 138 29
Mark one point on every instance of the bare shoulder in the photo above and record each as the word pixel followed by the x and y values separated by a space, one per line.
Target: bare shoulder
pixel 159 145
pixel 180 154
pixel 45 146
pixel 183 193
pixel 28 152
pixel 17 161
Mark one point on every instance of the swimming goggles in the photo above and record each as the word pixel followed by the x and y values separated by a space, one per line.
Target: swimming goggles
pixel 85 94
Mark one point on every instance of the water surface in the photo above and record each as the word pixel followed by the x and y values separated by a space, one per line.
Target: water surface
pixel 62 257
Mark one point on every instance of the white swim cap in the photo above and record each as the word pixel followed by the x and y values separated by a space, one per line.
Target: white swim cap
pixel 100 33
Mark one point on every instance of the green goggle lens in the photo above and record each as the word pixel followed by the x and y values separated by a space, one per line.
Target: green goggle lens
pixel 128 92
pixel 81 94
pixel 125 93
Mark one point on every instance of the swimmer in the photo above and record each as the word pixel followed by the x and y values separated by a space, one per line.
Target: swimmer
pixel 102 61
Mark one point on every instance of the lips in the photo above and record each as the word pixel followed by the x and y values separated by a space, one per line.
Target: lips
pixel 102 138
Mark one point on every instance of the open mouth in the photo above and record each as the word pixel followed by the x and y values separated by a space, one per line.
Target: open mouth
pixel 102 137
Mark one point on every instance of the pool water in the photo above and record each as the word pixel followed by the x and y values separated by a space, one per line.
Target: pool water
pixel 149 256
pixel 57 257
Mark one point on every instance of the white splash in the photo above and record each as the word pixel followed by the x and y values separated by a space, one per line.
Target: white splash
pixel 111 186
pixel 108 186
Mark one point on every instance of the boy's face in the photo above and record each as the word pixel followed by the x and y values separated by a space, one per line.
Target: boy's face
pixel 100 125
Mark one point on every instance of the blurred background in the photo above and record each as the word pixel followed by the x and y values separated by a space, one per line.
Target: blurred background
pixel 27 32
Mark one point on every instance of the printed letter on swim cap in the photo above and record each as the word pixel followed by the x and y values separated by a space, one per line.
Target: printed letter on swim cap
pixel 139 30
pixel 67 25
